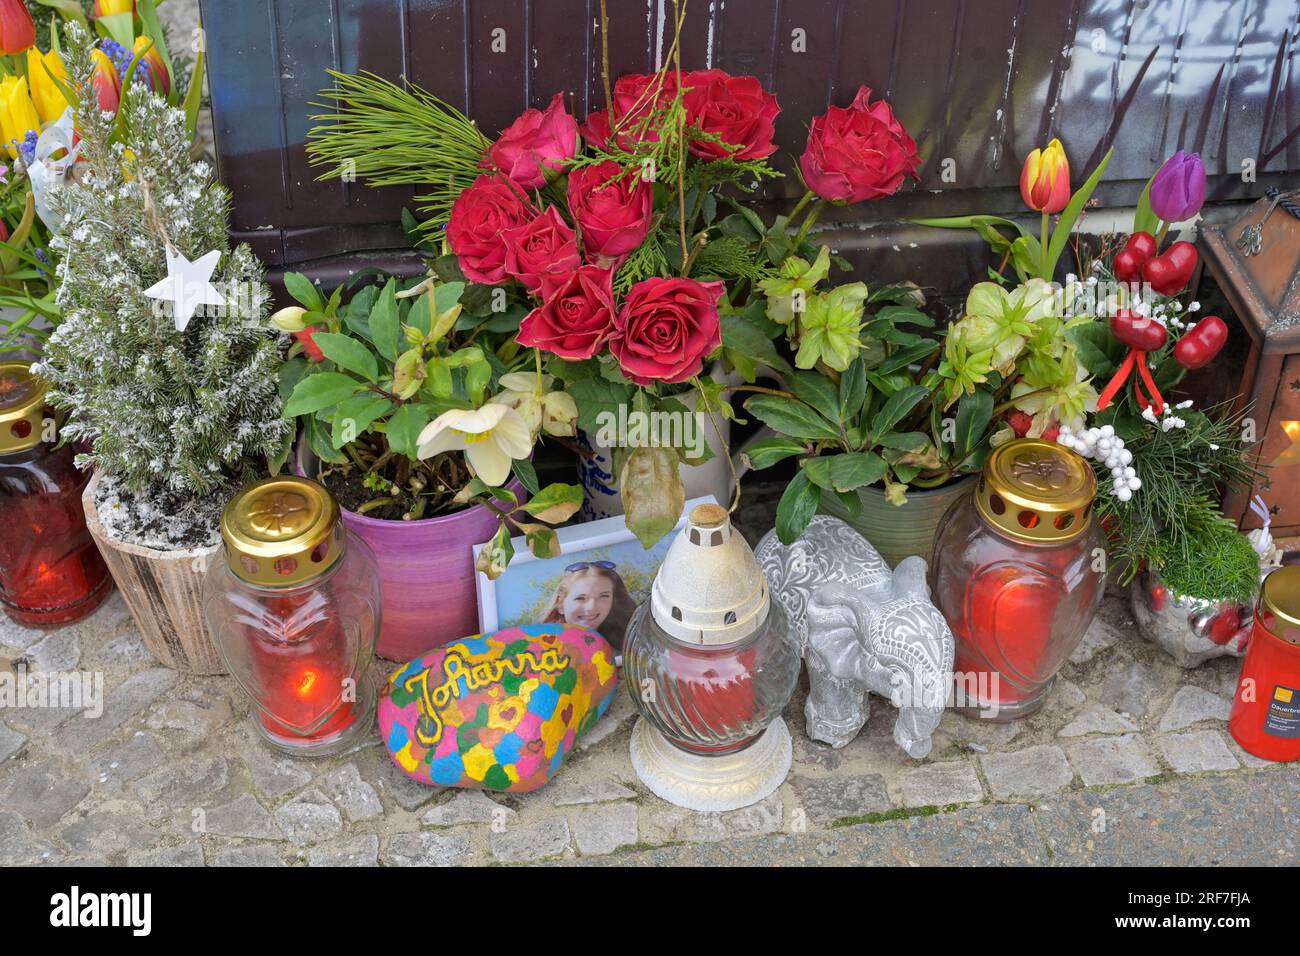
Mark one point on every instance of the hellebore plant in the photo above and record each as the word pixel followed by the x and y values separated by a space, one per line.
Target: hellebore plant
pixel 904 410
pixel 401 395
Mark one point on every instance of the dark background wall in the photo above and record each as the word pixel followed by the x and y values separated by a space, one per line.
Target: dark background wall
pixel 977 82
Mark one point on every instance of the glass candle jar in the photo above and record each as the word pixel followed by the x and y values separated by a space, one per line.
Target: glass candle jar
pixel 1017 577
pixel 710 663
pixel 51 573
pixel 1265 716
pixel 294 610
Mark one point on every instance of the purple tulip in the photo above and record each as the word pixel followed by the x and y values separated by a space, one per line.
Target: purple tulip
pixel 1178 189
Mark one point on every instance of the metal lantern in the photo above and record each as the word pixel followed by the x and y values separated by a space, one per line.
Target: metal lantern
pixel 1256 262
pixel 295 613
pixel 710 663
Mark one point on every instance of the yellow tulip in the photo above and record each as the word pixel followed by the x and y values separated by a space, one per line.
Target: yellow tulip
pixel 108 8
pixel 17 113
pixel 1045 179
pixel 49 99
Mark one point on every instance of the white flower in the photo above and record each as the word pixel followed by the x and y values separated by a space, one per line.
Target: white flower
pixel 530 395
pixel 492 438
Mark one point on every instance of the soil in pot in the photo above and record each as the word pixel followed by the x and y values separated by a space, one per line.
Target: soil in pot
pixel 160 521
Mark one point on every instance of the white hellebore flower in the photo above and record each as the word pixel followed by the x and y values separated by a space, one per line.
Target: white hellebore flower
pixel 530 395
pixel 491 437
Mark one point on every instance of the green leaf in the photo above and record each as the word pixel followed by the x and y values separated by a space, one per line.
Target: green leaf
pixel 318 391
pixel 792 418
pixel 1144 217
pixel 850 502
pixel 845 472
pixel 817 390
pixel 905 357
pixel 385 323
pixel 768 451
pixel 1070 215
pixel 495 556
pixel 404 428
pixel 526 474
pixel 743 337
pixel 905 314
pixel 304 290
pixel 898 407
pixel 597 397
pixel 356 314
pixel 555 503
pixel 1099 351
pixel 346 352
pixel 974 413
pixel 447 295
pixel 853 391
pixel 419 317
pixel 904 441
pixel 796 508
pixel 360 411
pixel 318 440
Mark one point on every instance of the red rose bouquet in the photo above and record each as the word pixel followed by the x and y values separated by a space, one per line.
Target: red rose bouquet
pixel 621 248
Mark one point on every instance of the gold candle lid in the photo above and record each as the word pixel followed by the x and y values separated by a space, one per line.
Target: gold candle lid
pixel 22 407
pixel 1036 491
pixel 1280 596
pixel 282 532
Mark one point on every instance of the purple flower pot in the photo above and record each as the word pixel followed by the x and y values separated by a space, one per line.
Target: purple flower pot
pixel 426 569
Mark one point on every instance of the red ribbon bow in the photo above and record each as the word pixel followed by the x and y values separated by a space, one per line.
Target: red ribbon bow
pixel 1136 358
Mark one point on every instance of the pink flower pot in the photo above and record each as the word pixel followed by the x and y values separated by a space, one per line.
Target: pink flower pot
pixel 426 569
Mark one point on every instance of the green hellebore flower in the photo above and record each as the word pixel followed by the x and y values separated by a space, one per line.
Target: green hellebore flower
pixel 830 329
pixel 796 275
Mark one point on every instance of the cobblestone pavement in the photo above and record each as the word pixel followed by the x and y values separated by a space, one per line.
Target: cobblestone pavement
pixel 1130 761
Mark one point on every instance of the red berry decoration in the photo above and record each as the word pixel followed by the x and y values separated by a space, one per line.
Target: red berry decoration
pixel 1138 332
pixel 309 346
pixel 1139 249
pixel 1020 422
pixel 1198 347
pixel 1170 273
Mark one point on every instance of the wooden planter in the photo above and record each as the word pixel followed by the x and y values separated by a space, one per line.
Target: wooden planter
pixel 164 590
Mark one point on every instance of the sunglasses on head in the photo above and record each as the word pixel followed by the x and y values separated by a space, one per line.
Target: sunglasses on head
pixel 584 565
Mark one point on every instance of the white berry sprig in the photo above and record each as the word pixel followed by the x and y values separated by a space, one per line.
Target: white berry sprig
pixel 1103 445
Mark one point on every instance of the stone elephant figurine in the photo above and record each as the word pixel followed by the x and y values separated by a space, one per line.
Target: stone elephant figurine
pixel 862 628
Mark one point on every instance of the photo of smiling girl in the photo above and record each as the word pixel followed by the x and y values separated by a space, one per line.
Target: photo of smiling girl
pixel 591 594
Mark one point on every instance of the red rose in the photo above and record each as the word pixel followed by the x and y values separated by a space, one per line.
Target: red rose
pixel 666 328
pixel 632 104
pixel 478 218
pixel 576 314
pixel 546 244
pixel 307 337
pixel 596 130
pixel 858 153
pixel 736 109
pixel 613 207
pixel 538 140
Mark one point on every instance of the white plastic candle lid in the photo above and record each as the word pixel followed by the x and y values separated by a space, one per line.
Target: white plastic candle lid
pixel 709 590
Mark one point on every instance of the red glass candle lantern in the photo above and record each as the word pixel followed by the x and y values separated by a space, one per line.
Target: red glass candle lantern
pixel 294 610
pixel 1265 716
pixel 51 573
pixel 1017 577
pixel 710 663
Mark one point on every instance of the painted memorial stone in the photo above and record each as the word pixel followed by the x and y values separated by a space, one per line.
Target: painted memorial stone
pixel 497 711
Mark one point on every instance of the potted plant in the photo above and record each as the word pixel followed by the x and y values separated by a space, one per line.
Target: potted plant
pixel 628 243
pixel 177 407
pixel 419 412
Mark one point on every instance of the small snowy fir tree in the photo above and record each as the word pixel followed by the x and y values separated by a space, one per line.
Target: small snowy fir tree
pixel 170 416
